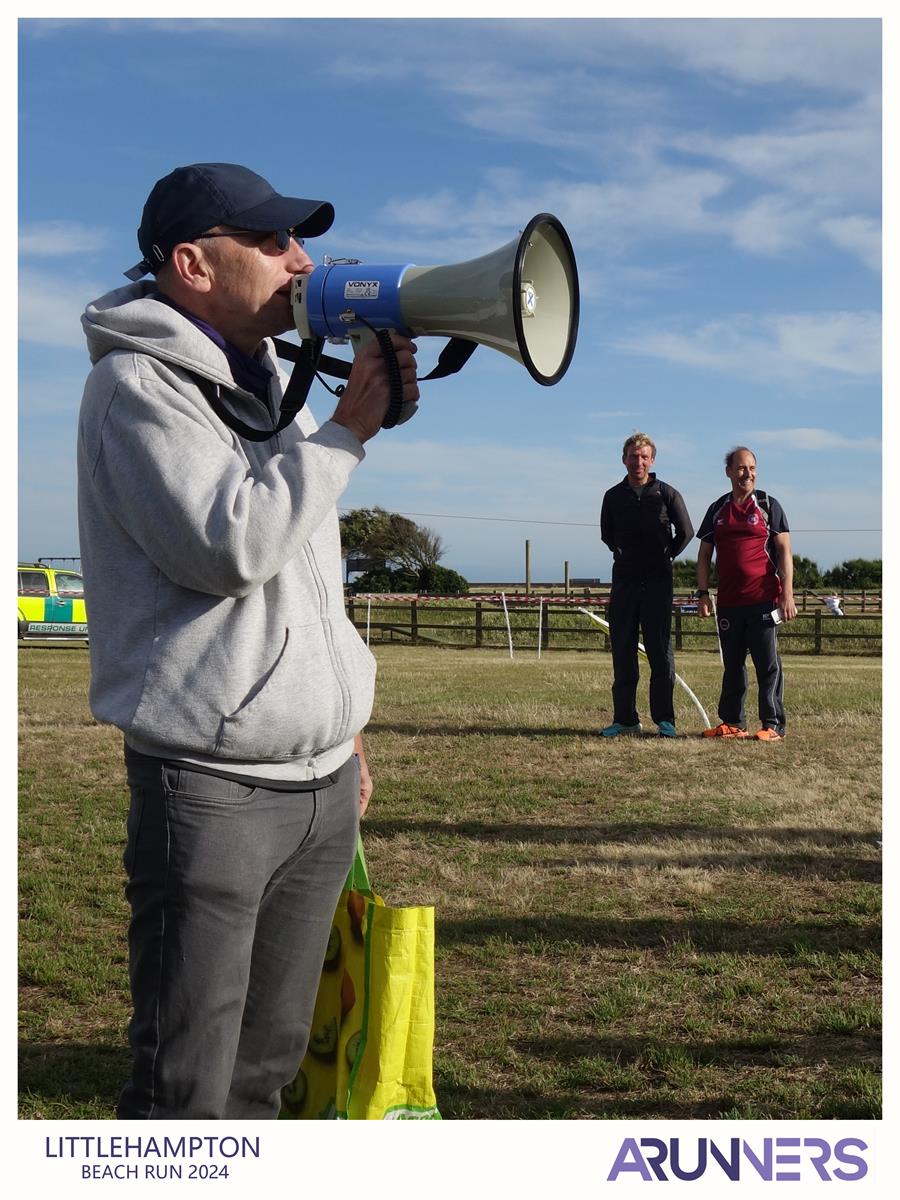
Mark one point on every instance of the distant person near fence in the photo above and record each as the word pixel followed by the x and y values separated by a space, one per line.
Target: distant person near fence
pixel 749 533
pixel 645 523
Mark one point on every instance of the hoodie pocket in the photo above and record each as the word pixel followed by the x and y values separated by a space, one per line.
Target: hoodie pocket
pixel 301 706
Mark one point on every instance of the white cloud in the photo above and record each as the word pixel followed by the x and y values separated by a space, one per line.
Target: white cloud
pixel 858 235
pixel 445 477
pixel 784 346
pixel 827 156
pixel 768 225
pixel 603 217
pixel 647 198
pixel 50 307
pixel 841 341
pixel 50 239
pixel 814 440
pixel 52 393
pixel 836 55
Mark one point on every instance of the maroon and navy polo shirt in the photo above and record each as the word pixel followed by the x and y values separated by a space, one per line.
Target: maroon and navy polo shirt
pixel 744 539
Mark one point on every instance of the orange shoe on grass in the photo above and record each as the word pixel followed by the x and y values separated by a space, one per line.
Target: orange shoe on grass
pixel 768 735
pixel 726 731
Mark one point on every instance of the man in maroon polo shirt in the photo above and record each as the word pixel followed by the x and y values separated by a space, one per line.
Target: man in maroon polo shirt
pixel 749 532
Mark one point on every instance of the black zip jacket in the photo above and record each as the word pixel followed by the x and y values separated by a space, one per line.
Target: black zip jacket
pixel 646 533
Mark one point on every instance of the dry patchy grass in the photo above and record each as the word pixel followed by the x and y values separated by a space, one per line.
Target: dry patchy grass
pixel 636 928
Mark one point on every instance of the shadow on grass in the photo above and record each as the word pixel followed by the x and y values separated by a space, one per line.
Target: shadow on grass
pixel 806 863
pixel 710 935
pixel 600 1097
pixel 640 832
pixel 457 1102
pixel 466 1103
pixel 650 1054
pixel 444 730
pixel 66 1077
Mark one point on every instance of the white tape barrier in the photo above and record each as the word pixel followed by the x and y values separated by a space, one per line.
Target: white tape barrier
pixel 700 709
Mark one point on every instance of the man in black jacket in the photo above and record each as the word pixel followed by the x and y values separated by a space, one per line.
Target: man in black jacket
pixel 645 524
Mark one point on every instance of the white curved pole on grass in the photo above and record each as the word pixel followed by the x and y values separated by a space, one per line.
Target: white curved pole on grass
pixel 508 630
pixel 700 709
pixel 716 620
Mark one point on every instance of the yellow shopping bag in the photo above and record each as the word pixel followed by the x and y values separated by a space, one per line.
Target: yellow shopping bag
pixel 372 1035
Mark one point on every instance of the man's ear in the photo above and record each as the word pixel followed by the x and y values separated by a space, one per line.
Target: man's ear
pixel 191 267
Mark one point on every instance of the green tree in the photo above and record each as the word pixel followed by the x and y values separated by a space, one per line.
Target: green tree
pixel 854 574
pixel 438 580
pixel 806 573
pixel 358 531
pixel 403 556
pixel 379 535
pixel 684 573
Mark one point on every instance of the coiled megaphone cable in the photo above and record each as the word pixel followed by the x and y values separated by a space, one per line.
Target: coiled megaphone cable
pixel 399 410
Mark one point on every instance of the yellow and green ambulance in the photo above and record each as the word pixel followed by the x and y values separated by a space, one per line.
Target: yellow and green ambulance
pixel 51 603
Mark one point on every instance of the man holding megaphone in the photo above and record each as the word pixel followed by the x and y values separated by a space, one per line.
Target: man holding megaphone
pixel 212 562
pixel 219 642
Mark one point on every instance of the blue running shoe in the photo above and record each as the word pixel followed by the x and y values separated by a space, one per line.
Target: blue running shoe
pixel 666 729
pixel 615 729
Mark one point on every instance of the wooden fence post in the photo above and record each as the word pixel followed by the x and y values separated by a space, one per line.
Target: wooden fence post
pixel 545 627
pixel 414 622
pixel 479 628
pixel 350 610
pixel 818 632
pixel 678 627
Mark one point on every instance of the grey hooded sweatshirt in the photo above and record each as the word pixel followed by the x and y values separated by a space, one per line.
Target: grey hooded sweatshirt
pixel 212 564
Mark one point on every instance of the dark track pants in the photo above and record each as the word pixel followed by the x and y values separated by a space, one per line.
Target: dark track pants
pixel 642 606
pixel 742 629
pixel 233 890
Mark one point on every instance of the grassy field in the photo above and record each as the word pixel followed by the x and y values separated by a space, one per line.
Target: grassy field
pixel 629 929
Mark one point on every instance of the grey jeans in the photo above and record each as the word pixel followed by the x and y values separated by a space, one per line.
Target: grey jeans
pixel 232 891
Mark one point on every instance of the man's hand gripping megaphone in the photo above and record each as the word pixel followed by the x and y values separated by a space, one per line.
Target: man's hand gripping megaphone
pixel 382 379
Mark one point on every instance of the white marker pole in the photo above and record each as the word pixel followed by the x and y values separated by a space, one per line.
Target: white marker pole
pixel 508 630
pixel 712 601
pixel 678 679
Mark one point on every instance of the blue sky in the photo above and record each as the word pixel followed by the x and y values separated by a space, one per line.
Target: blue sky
pixel 720 181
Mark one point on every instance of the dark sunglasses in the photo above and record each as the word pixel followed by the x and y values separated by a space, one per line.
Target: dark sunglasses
pixel 282 236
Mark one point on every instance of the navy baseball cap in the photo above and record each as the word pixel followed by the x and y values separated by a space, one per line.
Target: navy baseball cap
pixel 193 199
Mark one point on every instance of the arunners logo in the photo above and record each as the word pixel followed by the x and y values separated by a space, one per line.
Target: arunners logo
pixel 783 1159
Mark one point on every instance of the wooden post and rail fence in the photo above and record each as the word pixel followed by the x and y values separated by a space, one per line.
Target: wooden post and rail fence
pixel 478 620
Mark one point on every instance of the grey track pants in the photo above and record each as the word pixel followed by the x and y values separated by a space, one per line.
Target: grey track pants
pixel 743 629
pixel 232 891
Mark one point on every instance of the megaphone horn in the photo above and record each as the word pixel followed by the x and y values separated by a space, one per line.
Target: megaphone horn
pixel 521 299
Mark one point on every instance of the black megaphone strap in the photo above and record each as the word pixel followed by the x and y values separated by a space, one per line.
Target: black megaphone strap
pixel 309 360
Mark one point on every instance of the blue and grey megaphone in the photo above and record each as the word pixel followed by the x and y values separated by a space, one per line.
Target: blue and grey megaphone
pixel 521 300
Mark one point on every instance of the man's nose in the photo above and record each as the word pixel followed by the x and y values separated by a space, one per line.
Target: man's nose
pixel 298 260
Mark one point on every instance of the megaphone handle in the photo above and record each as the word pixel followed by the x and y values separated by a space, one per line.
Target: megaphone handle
pixel 361 337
